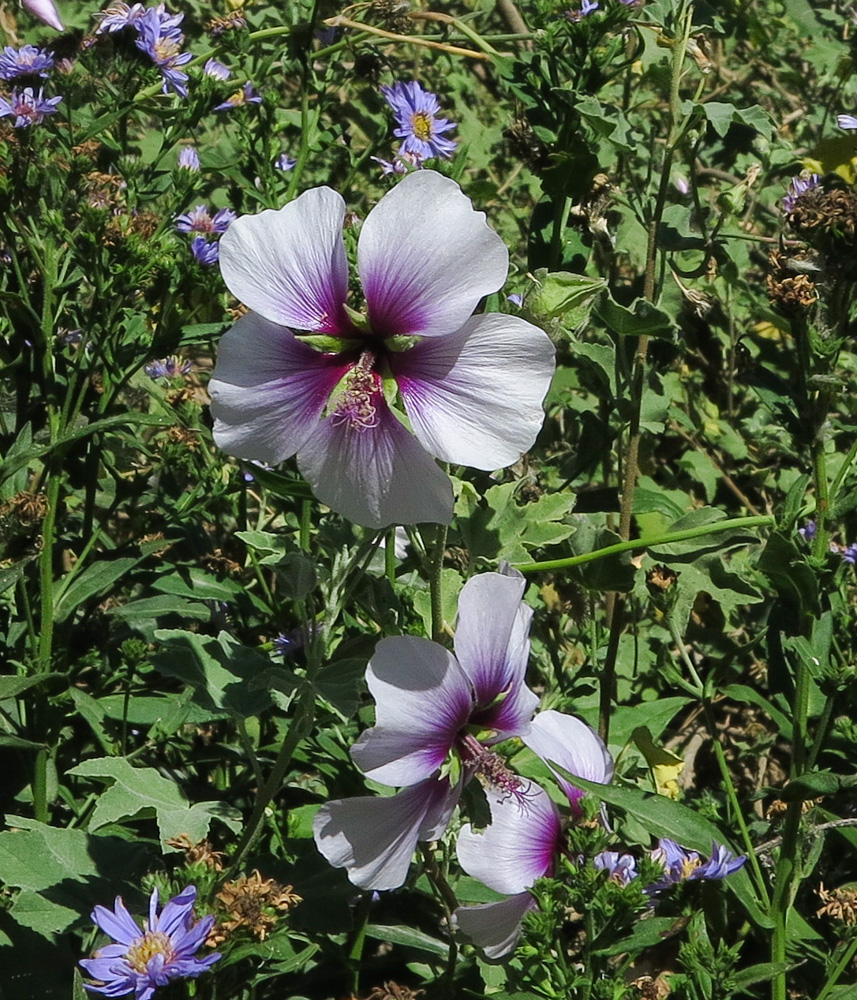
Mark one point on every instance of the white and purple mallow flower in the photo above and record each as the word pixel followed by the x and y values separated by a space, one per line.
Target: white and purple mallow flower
pixel 418 121
pixel 436 717
pixel 142 959
pixel 526 835
pixel 471 386
pixel 46 11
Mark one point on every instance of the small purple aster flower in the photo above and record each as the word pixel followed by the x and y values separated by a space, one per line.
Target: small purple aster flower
pixel 847 122
pixel 44 10
pixel 245 95
pixel 681 865
pixel 288 643
pixel 204 252
pixel 26 61
pixel 117 16
pixel 620 868
pixel 285 162
pixel 217 70
pixel 586 8
pixel 171 367
pixel 799 186
pixel 417 114
pixel 849 554
pixel 161 39
pixel 516 299
pixel 200 220
pixel 28 107
pixel 141 960
pixel 807 532
pixel 189 159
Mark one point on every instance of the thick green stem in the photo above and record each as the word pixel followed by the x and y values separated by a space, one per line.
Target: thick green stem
pixel 730 524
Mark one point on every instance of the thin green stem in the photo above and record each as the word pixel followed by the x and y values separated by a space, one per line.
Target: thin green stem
pixel 438 626
pixel 838 969
pixel 355 952
pixel 730 524
pixel 390 556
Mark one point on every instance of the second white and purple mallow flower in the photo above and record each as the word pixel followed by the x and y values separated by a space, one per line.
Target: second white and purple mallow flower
pixel 306 374
pixel 436 717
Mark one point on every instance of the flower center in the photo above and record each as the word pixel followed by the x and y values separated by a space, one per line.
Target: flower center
pixel 421 124
pixel 146 947
pixel 689 866
pixel 356 406
pixel 490 769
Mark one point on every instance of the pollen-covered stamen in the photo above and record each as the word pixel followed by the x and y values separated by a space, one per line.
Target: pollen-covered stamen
pixel 146 947
pixel 357 404
pixel 422 125
pixel 491 770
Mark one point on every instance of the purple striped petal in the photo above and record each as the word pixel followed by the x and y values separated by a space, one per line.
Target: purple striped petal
pixel 422 699
pixel 518 847
pixel 494 927
pixel 289 265
pixel 375 838
pixel 268 390
pixel 569 742
pixel 492 646
pixel 375 476
pixel 475 397
pixel 426 258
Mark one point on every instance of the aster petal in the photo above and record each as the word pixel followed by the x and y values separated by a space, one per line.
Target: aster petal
pixel 375 476
pixel 492 646
pixel 518 847
pixel 289 265
pixel 576 747
pixel 475 397
pixel 118 923
pixel 426 258
pixel 186 942
pixel 422 698
pixel 375 838
pixel 494 927
pixel 268 390
pixel 177 914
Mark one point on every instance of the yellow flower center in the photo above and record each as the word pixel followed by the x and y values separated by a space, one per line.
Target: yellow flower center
pixel 421 123
pixel 146 947
pixel 689 866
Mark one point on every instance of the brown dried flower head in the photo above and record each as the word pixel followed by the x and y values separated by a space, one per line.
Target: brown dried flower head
pixel 392 991
pixel 200 853
pixel 833 213
pixel 250 902
pixel 840 904
pixel 788 291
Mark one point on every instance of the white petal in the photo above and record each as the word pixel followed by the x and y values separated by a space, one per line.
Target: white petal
pixel 569 742
pixel 375 838
pixel 518 847
pixel 426 258
pixel 494 927
pixel 268 390
pixel 422 699
pixel 492 646
pixel 375 476
pixel 475 397
pixel 289 265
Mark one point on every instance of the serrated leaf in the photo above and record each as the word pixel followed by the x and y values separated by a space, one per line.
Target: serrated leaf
pixel 141 792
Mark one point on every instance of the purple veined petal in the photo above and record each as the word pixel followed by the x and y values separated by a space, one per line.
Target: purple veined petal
pixel 492 647
pixel 375 476
pixel 422 699
pixel 518 847
pixel 494 927
pixel 426 258
pixel 375 838
pixel 475 397
pixel 117 923
pixel 268 390
pixel 289 265
pixel 576 747
pixel 177 912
